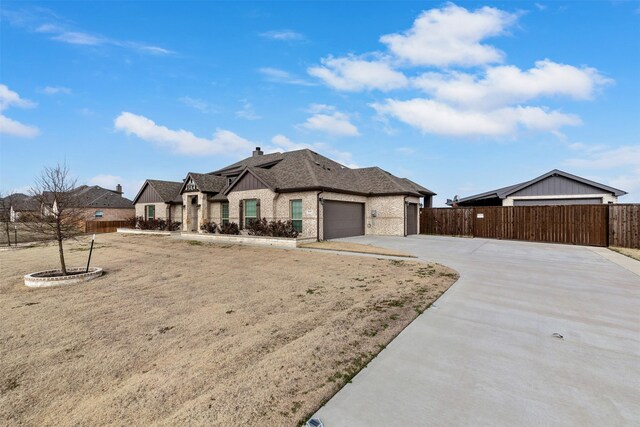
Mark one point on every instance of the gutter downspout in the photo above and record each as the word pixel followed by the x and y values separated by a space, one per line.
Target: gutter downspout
pixel 404 220
pixel 318 215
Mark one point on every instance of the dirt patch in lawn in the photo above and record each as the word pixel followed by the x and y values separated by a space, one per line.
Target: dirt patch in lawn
pixel 631 253
pixel 355 247
pixel 177 334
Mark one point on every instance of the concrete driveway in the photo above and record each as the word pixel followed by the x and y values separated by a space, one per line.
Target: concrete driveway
pixel 485 353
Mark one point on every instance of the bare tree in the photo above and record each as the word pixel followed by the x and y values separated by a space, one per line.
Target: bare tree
pixel 61 215
pixel 5 214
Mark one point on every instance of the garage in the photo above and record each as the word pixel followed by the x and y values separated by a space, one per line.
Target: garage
pixel 412 218
pixel 342 219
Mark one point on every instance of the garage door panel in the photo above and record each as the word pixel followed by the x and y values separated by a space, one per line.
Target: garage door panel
pixel 342 219
pixel 412 218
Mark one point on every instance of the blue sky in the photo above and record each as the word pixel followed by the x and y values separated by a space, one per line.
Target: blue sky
pixel 460 97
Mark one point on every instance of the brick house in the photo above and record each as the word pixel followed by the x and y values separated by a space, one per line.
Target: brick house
pixel 323 198
pixel 159 200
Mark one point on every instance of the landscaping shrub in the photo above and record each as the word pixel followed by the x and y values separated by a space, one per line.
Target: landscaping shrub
pixel 278 228
pixel 282 229
pixel 156 224
pixel 258 227
pixel 230 228
pixel 210 227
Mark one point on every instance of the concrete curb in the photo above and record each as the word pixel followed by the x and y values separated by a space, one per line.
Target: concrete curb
pixel 33 281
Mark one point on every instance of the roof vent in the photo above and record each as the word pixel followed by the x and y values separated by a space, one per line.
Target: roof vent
pixel 257 152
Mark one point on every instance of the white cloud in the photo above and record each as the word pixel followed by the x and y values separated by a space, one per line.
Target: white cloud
pixel 505 85
pixel 276 75
pixel 9 98
pixel 355 74
pixel 40 20
pixel 622 163
pixel 55 90
pixel 329 121
pixel 8 126
pixel 405 150
pixel 247 112
pixel 283 35
pixel 12 127
pixel 181 141
pixel 435 117
pixel 75 37
pixel 602 157
pixel 320 108
pixel 451 36
pixel 197 104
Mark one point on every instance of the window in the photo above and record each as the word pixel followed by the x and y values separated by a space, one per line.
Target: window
pixel 295 206
pixel 230 180
pixel 150 212
pixel 99 214
pixel 224 213
pixel 250 210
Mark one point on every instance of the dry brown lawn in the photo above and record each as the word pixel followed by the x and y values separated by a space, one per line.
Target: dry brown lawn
pixel 355 247
pixel 630 252
pixel 180 332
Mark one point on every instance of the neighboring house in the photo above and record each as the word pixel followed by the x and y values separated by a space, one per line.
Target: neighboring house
pixel 102 204
pixel 159 200
pixel 553 188
pixel 97 204
pixel 323 198
pixel 21 206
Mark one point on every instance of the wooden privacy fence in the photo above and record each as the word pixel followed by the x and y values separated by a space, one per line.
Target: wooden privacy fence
pixel 594 225
pixel 104 226
pixel 624 226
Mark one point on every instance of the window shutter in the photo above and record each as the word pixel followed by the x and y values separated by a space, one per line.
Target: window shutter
pixel 258 217
pixel 241 215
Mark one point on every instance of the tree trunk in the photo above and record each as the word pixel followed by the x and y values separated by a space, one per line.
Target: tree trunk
pixel 63 267
pixel 9 236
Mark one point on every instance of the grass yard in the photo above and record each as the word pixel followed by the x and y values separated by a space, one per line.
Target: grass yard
pixel 630 252
pixel 23 234
pixel 180 332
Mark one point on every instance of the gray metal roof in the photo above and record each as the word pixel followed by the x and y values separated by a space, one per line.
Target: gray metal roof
pixel 504 192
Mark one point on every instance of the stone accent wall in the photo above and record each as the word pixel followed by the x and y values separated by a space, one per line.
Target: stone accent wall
pixel 187 213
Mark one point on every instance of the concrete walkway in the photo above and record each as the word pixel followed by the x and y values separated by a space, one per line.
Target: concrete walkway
pixel 485 353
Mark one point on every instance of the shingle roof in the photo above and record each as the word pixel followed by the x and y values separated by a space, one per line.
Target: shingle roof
pixel 307 170
pixel 98 197
pixel 169 191
pixel 22 202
